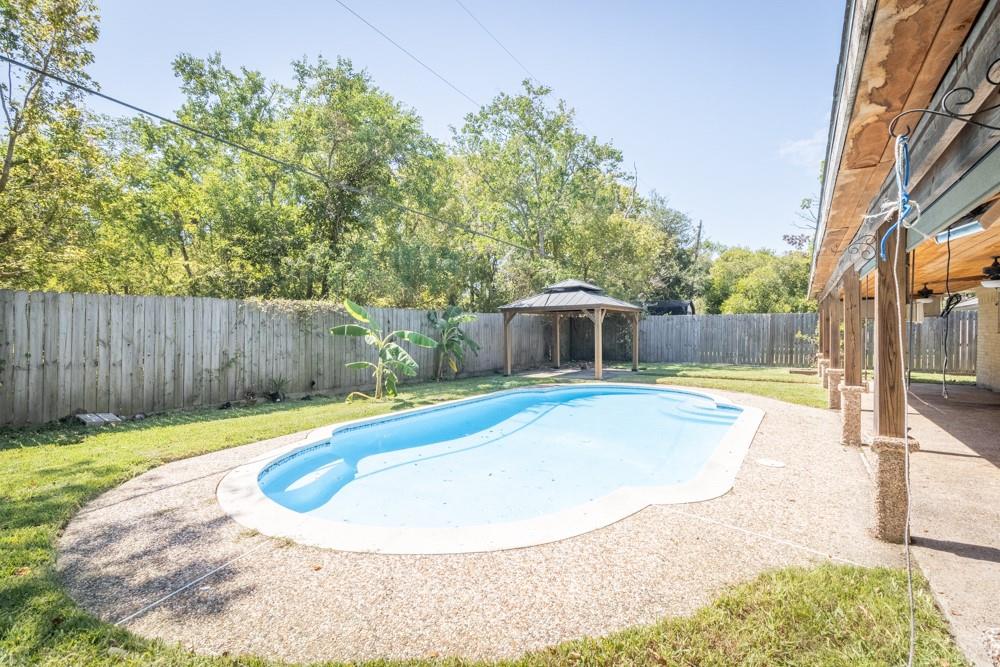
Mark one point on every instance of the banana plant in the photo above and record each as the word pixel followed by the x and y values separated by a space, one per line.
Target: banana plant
pixel 392 361
pixel 452 342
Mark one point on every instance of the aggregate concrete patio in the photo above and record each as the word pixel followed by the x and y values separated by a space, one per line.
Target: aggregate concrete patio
pixel 231 590
pixel 955 499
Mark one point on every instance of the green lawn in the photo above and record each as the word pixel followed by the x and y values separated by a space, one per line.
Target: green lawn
pixel 825 616
pixel 776 383
pixel 935 378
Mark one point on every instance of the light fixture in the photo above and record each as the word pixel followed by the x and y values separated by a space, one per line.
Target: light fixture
pixel 958 231
pixel 925 295
pixel 992 273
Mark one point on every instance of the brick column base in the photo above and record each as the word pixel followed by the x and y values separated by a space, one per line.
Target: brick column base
pixel 833 376
pixel 824 363
pixel 890 488
pixel 850 414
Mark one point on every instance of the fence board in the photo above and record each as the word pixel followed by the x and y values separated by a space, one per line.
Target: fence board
pixel 51 353
pixel 36 377
pixel 6 356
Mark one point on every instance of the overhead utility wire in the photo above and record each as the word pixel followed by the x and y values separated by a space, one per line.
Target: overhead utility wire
pixel 495 39
pixel 408 53
pixel 284 163
pixel 513 57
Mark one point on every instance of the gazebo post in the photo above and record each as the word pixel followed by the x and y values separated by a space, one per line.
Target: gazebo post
pixel 556 343
pixel 507 317
pixel 635 342
pixel 598 320
pixel 569 297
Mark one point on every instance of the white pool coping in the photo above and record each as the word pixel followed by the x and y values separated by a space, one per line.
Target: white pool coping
pixel 241 497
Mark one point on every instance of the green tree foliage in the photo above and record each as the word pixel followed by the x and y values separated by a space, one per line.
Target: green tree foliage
pixel 684 257
pixel 532 177
pixel 92 203
pixel 758 281
pixel 50 167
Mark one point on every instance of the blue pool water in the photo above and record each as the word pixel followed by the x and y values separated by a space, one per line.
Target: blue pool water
pixel 505 457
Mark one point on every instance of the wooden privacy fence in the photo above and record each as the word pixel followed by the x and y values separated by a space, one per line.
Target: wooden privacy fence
pixel 65 353
pixel 758 339
pixel 928 342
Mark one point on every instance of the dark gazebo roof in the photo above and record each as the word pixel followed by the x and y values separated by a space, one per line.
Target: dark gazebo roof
pixel 569 295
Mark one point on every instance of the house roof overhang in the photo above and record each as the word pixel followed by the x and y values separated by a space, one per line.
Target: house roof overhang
pixel 895 55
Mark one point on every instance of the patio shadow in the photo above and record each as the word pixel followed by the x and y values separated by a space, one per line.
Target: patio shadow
pixel 963 549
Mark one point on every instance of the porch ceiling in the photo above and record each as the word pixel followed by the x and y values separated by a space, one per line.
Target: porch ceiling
pixel 898 63
pixel 969 254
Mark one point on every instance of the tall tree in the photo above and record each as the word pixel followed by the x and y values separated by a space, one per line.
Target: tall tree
pixel 45 140
pixel 54 36
pixel 758 281
pixel 685 255
pixel 531 162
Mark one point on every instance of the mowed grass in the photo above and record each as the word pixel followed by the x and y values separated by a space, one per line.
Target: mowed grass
pixel 777 383
pixel 825 616
pixel 935 378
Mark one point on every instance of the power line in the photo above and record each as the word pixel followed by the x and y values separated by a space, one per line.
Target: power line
pixel 495 39
pixel 408 53
pixel 241 147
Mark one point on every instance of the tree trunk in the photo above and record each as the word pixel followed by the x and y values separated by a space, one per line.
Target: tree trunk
pixel 180 239
pixel 8 160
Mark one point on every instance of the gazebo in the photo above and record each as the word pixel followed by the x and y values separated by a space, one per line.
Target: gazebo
pixel 566 298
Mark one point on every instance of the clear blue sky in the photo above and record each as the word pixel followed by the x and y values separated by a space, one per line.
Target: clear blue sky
pixel 721 106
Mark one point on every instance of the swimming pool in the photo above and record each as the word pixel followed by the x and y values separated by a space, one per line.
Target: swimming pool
pixel 508 469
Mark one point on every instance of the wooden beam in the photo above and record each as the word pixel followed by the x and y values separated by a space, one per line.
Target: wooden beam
pixel 598 343
pixel 890 281
pixel 635 342
pixel 824 334
pixel 507 317
pixel 990 215
pixel 834 315
pixel 853 336
pixel 558 338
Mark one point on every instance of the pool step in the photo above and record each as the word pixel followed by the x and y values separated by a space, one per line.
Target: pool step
pixel 707 414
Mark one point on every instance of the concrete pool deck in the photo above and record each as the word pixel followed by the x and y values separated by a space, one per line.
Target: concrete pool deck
pixel 955 480
pixel 158 554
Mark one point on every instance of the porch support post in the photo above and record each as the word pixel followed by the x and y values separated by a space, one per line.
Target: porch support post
pixel 507 317
pixel 824 339
pixel 558 339
pixel 889 441
pixel 889 398
pixel 851 389
pixel 835 314
pixel 635 342
pixel 834 372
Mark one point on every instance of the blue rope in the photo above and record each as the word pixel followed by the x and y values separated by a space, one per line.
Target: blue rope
pixel 903 182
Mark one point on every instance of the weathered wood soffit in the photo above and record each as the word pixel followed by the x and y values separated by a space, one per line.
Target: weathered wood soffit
pixel 894 55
